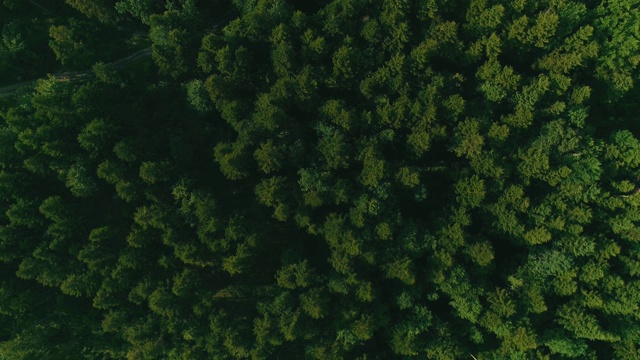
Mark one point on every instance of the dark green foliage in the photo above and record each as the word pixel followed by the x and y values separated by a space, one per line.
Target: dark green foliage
pixel 348 179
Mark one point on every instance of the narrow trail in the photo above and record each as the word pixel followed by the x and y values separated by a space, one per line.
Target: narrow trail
pixel 77 76
pixel 84 75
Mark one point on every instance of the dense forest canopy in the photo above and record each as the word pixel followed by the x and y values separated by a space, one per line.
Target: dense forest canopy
pixel 339 179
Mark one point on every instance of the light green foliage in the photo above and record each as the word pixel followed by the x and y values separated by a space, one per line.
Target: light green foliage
pixel 401 270
pixel 617 22
pixel 333 146
pixel 140 9
pixel 94 9
pixel 497 81
pixel 470 192
pixel 314 303
pixel 96 136
pixel 294 275
pixel 197 96
pixel 469 139
pixel 80 181
pixel 481 253
pixel 63 44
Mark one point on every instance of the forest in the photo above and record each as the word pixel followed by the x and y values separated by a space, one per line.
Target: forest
pixel 329 179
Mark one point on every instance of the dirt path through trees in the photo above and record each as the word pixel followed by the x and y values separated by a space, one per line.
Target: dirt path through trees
pixel 76 76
